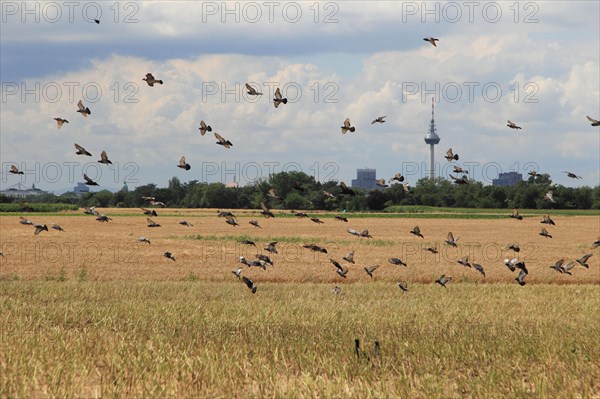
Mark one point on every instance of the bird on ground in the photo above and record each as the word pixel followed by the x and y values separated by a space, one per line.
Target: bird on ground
pixel 341 218
pixel 365 233
pixel 458 169
pixel 254 223
pixel 252 91
pixel 594 121
pixel 279 98
pixel 91 211
pixel 353 232
pixel 265 211
pixel 571 175
pixel 24 221
pixel 317 220
pixel 237 272
pixel 149 212
pixel 151 81
pixel 315 247
pixel 431 40
pixel 461 180
pixel 104 158
pixel 402 286
pixel 169 255
pixel 515 215
pixel 479 268
pixel 60 122
pixel 547 220
pixel 271 247
pixel 347 126
pixel 225 214
pixel 273 194
pixel 416 231
pixel 185 223
pixel 521 278
pixel 15 171
pixel 379 119
pixel 450 240
pixel 230 220
pixel 549 197
pixel 451 156
pixel 544 233
pixel 152 223
pixel 464 261
pixel 346 190
pixel 397 177
pixel 583 260
pixel 443 280
pixel 39 228
pixel 204 128
pixel 301 215
pixel 57 227
pixel 514 246
pixel 88 181
pixel 250 284
pixel 81 150
pixel 183 164
pixel 349 257
pixel 85 111
pixel 381 183
pixel 513 125
pixel 248 242
pixel 371 269
pixel 143 239
pixel 359 352
pixel 103 218
pixel 432 250
pixel 396 261
pixel 222 141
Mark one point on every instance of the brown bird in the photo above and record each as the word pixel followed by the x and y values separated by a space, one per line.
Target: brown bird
pixel 88 181
pixel 183 164
pixel 346 190
pixel 85 111
pixel 450 155
pixel 152 223
pixel 594 121
pixel 515 247
pixel 222 141
pixel 252 91
pixel 15 171
pixel 347 126
pixel 204 128
pixel 279 99
pixel 341 218
pixel 381 183
pixel 397 177
pixel 60 122
pixel 402 286
pixel 515 215
pixel 544 233
pixel 443 280
pixel 464 261
pixel 317 220
pixel 546 220
pixel 265 211
pixel 371 269
pixel 583 260
pixel 39 228
pixel 380 119
pixel 231 221
pixel 149 212
pixel 254 223
pixel 533 173
pixel 458 169
pixel 104 158
pixel 315 248
pixel 461 180
pixel 81 150
pixel 513 125
pixel 431 40
pixel 572 175
pixel 349 257
pixel 416 231
pixel 450 240
pixel 151 81
pixel 185 223
pixel 272 194
pixel 271 247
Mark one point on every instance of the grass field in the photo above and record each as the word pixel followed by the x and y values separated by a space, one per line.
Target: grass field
pixel 91 312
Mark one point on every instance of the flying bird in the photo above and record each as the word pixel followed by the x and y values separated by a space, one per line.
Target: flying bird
pixel 341 218
pixel 339 269
pixel 515 247
pixel 97 21
pixel 254 223
pixel 349 257
pixel 513 125
pixel 371 269
pixel 572 175
pixel 315 247
pixel 365 233
pixel 85 111
pixel 397 261
pixel 432 250
pixel 183 164
pixel 544 233
pixel 143 239
pixel 450 240
pixel 300 215
pixel 521 278
pixel 265 211
pixel 583 260
pixel 397 177
pixel 225 214
pixel 265 259
pixel 152 223
pixel 57 227
pixel 594 121
pixel 15 171
pixel 237 272
pixel 379 119
pixel 464 261
pixel 88 181
pixel 271 247
pixel 461 180
pixel 347 126
pixel 510 263
pixel 185 223
pixel 515 215
pixel 272 194
pixel 169 255
pixel 479 268
pixel 252 91
pixel 81 150
pixel 230 220
pixel 327 194
pixel 39 228
pixel 204 128
pixel 549 197
pixel 431 40
pixel 352 231
pixel 279 99
pixel 103 218
pixel 104 158
pixel 596 244
pixel 151 81
pixel 402 286
pixel 250 284
pixel 346 190
pixel 443 280
pixel 547 220
pixel 317 220
pixel 381 183
pixel 416 231
pixel 222 141
pixel 24 221
pixel 248 242
pixel 60 122
pixel 450 155
pixel 149 212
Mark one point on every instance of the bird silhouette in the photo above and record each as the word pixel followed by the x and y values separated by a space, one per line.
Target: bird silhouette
pixel 572 175
pixel 85 111
pixel 15 171
pixel 513 125
pixel 57 227
pixel 315 247
pixel 152 223
pixel 583 260
pixel 371 269
pixel 458 169
pixel 379 119
pixel 515 215
pixel 250 284
pixel 103 218
pixel 183 164
pixel 431 40
pixel 169 255
pixel 460 180
pixel 346 127
pixel 81 150
pixel 396 261
pixel 204 128
pixel 346 190
pixel 60 121
pixel 450 240
pixel 151 81
pixel 381 183
pixel 594 121
pixel 451 156
pixel 88 181
pixel 251 91
pixel 279 99
pixel 544 233
pixel 185 223
pixel 397 177
pixel 416 231
pixel 222 141
pixel 149 212
pixel 402 286
pixel 443 280
pixel 104 158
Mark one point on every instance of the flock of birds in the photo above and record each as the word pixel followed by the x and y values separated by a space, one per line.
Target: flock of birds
pixel 263 261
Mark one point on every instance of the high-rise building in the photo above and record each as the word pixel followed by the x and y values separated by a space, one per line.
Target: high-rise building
pixel 432 139
pixel 366 179
pixel 507 179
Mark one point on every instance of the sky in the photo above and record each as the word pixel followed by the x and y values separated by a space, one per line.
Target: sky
pixel 534 63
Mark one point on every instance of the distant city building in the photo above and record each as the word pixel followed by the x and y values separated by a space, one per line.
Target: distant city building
pixel 81 188
pixel 432 139
pixel 507 179
pixel 125 188
pixel 365 179
pixel 20 191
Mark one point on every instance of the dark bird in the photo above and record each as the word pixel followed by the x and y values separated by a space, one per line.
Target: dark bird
pixel 152 223
pixel 81 150
pixel 204 128
pixel 458 169
pixel 91 211
pixel 169 255
pixel 402 286
pixel 250 284
pixel 397 177
pixel 396 261
pixel 461 180
pixel 104 158
pixel 248 242
pixel 85 111
pixel 515 215
pixel 431 40
pixel 596 244
pixel 254 223
pixel 521 278
pixel 97 21
pixel 349 257
pixel 559 266
pixel 568 267
pixel 347 126
pixel 230 220
pixel 265 259
pixel 151 81
pixel 339 269
pixel 464 261
pixel 278 98
pixel 379 119
pixel 24 221
pixel 544 233
pixel 237 272
pixel 381 183
pixel 15 171
pixel 103 218
pixel 39 228
pixel 315 247
pixel 371 269
pixel 533 173
pixel 273 194
pixel 265 211
pixel 416 231
pixel 479 268
pixel 359 352
pixel 572 175
pixel 594 121
pixel 450 155
pixel 513 125
pixel 252 91
pixel 88 181
pixel 547 220
pixel 185 223
pixel 183 164
pixel 271 247
pixel 510 263
pixel 301 215
pixel 450 240
pixel 514 246
pixel 346 190
pixel 143 239
pixel 225 214
pixel 521 266
pixel 432 250
pixel 60 122
pixel 376 349
pixel 149 212
pixel 443 280
pixel 340 218
pixel 365 233
pixel 222 141
pixel 317 220
pixel 57 227
pixel 298 187
pixel 583 260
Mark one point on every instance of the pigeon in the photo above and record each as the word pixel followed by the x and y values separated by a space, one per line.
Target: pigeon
pixel 222 141
pixel 272 194
pixel 479 268
pixel 596 244
pixel 521 278
pixel 15 171
pixel 402 286
pixel 169 255
pixel 39 228
pixel 371 269
pixel 301 215
pixel 365 233
pixel 225 214
pixel 547 220
pixel 379 119
pixel 431 40
pixel 81 150
pixel 450 155
pixel 149 212
pixel 103 218
pixel 339 269
pixel 254 223
pixel 349 257
pixel 582 261
pixel 250 284
pixel 450 240
pixel 513 125
pixel 514 246
pixel 204 128
pixel 594 121
pixel 317 220
pixel 352 231
pixel 85 111
pixel 24 221
pixel 464 261
pixel 327 194
pixel 60 122
pixel 346 190
pixel 271 248
pixel 521 266
pixel 88 181
pixel 432 250
pixel 559 266
pixel 510 263
pixel 376 348
pixel 158 203
pixel 572 175
pixel 185 223
pixel 533 173
pixel 278 98
pixel 104 158
pixel 566 268
pixel 381 183
pixel 151 81
pixel 315 248
pixel 458 169
pixel 396 261
pixel 252 91
pixel 57 227
pixel 549 197
pixel 237 272
pixel 515 215
pixel 265 259
pixel 347 126
pixel 544 233
pixel 461 180
pixel 416 231
pixel 443 280
pixel 265 211
pixel 183 164
pixel 91 211
pixel 341 218
pixel 143 239
pixel 97 21
pixel 248 242
pixel 397 177
pixel 152 223
pixel 230 220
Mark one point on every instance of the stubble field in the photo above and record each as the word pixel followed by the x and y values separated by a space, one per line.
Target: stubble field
pixel 91 312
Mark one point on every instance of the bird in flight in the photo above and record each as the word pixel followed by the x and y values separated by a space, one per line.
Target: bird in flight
pixel 347 126
pixel 266 211
pixel 104 158
pixel 81 150
pixel 222 141
pixel 85 111
pixel 185 223
pixel 143 239
pixel 60 122
pixel 512 125
pixel 515 215
pixel 24 221
pixel 594 121
pixel 461 180
pixel 183 164
pixel 237 272
pixel 15 171
pixel 341 218
pixel 458 169
pixel 521 278
pixel 151 81
pixel 379 119
pixel 346 190
pixel 252 91
pixel 273 194
pixel 402 286
pixel 572 175
pixel 583 260
pixel 349 257
pixel 88 181
pixel 230 220
pixel 271 247
pixel 279 99
pixel 450 155
pixel 443 280
pixel 431 40
pixel 254 223
pixel 396 261
pixel 464 261
pixel 416 231
pixel 39 228
pixel 544 233
pixel 315 247
pixel 397 177
pixel 169 255
pixel 450 240
pixel 339 269
pixel 381 183
pixel 204 128
pixel 152 223
pixel 371 269
pixel 479 268
pixel 250 284
pixel 549 197
pixel 547 220
pixel 57 227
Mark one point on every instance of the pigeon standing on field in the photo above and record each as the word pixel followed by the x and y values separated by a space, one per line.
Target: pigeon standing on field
pixel 397 177
pixel 381 183
pixel 151 81
pixel 85 111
